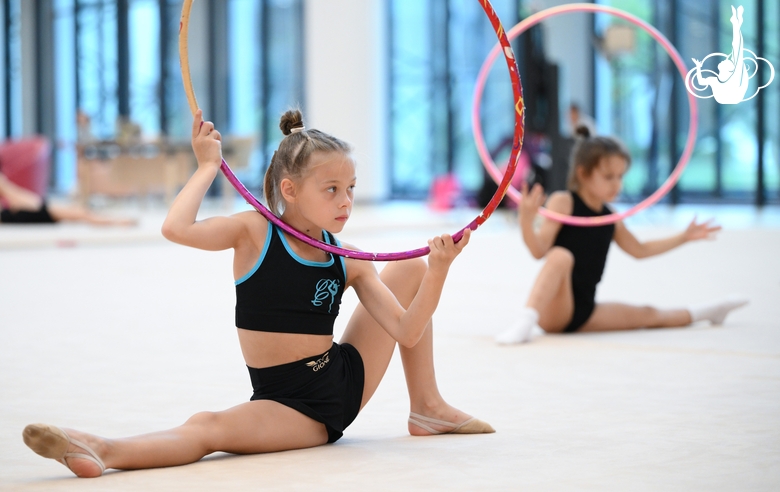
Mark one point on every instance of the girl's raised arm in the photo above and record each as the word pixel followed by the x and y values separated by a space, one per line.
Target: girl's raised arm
pixel 539 242
pixel 181 225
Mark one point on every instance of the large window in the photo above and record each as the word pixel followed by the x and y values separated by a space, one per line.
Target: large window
pixel 118 59
pixel 97 64
pixel 265 73
pixel 640 98
pixel 437 49
pixel 10 68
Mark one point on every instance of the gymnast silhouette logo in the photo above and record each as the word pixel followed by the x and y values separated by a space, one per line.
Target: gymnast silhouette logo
pixel 731 83
pixel 318 364
pixel 325 287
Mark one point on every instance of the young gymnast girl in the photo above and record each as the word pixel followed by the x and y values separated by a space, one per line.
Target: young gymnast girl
pixel 562 300
pixel 307 389
pixel 21 206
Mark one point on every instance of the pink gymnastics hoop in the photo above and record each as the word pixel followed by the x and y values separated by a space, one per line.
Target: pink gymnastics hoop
pixel 538 17
pixel 362 255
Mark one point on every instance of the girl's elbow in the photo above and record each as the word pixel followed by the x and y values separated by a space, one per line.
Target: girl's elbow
pixel 538 253
pixel 409 340
pixel 167 231
pixel 407 343
pixel 170 232
pixel 638 254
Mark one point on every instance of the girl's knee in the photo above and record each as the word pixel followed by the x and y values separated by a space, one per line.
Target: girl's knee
pixel 403 278
pixel 553 329
pixel 415 266
pixel 652 316
pixel 206 431
pixel 406 271
pixel 203 419
pixel 560 256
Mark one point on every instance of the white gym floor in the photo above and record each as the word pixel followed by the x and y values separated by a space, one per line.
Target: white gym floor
pixel 117 332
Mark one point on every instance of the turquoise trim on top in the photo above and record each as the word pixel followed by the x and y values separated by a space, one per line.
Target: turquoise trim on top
pixel 262 255
pixel 341 258
pixel 300 260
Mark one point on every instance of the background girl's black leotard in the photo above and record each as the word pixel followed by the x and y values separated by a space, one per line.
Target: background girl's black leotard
pixel 285 293
pixel 589 246
pixel 40 216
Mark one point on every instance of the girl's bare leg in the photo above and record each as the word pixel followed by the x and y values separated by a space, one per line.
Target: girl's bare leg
pixel 616 316
pixel 424 396
pixel 376 348
pixel 550 303
pixel 552 296
pixel 80 214
pixel 18 198
pixel 253 427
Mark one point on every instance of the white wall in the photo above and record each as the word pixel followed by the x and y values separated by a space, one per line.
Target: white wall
pixel 346 83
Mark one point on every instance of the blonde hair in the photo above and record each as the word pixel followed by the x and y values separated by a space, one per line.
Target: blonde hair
pixel 292 158
pixel 589 151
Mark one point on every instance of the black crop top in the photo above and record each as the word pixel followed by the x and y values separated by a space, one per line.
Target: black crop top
pixel 589 245
pixel 285 293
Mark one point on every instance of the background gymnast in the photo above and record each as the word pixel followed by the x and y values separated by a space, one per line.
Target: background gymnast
pixel 21 206
pixel 307 389
pixel 562 299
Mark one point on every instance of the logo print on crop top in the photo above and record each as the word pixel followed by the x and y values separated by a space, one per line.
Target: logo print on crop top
pixel 325 288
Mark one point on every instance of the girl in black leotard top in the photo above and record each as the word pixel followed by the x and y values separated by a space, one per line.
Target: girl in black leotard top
pixel 307 388
pixel 562 299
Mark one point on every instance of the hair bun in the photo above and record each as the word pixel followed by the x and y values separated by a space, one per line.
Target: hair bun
pixel 292 118
pixel 583 131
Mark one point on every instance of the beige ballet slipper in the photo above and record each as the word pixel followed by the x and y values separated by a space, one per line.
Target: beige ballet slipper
pixel 470 426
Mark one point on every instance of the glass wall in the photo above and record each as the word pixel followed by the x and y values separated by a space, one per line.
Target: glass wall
pixel 96 41
pixel 437 49
pixel 144 33
pixel 97 64
pixel 265 73
pixel 10 68
pixel 64 114
pixel 771 140
pixel 638 95
pixel 646 105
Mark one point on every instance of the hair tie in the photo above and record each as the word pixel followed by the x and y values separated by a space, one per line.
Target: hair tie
pixel 297 129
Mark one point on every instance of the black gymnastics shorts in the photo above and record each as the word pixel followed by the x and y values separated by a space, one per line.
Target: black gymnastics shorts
pixel 40 216
pixel 327 387
pixel 584 304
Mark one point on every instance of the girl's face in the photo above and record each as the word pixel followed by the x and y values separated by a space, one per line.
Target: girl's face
pixel 606 180
pixel 324 195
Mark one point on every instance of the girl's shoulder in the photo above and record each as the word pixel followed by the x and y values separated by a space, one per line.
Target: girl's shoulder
pixel 356 268
pixel 252 218
pixel 561 202
pixel 257 227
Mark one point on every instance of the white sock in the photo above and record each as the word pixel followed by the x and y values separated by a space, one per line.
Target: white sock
pixel 716 311
pixel 520 332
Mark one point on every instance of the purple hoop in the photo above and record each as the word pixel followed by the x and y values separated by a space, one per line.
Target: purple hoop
pixel 526 24
pixel 362 255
